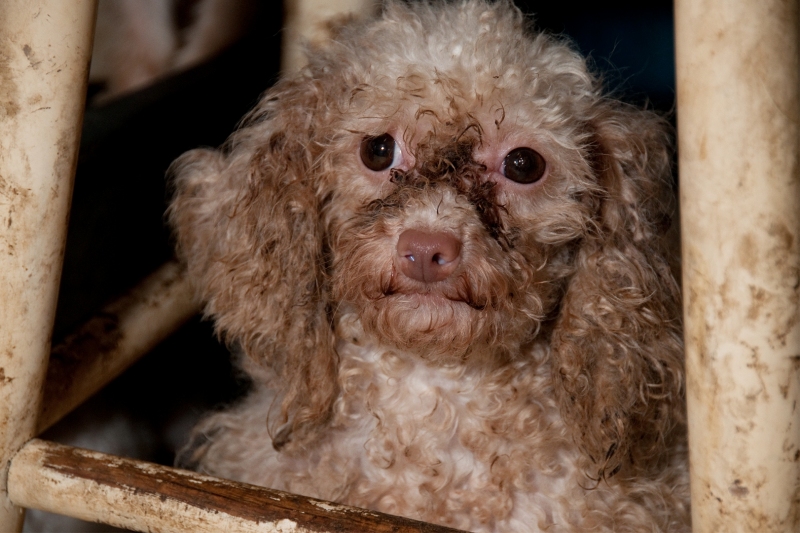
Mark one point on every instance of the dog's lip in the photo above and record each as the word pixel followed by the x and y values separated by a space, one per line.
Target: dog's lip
pixel 431 295
pixel 451 291
pixel 428 293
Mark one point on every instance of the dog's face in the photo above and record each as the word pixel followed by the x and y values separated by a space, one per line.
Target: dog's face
pixel 454 182
pixel 476 147
pixel 452 220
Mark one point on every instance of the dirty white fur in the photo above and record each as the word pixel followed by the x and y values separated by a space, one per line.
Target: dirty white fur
pixel 475 450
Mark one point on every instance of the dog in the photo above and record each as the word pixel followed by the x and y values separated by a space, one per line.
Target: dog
pixel 438 252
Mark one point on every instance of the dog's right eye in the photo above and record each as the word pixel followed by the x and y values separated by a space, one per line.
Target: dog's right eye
pixel 524 165
pixel 378 153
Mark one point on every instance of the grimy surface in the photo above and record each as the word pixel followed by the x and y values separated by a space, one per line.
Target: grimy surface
pixel 44 58
pixel 738 72
pixel 147 497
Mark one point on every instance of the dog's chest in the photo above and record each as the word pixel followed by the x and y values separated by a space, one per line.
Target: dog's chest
pixel 432 442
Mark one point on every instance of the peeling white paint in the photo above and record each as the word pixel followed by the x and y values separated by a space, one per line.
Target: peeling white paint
pixel 329 507
pixel 44 69
pixel 50 477
pixel 738 74
pixel 286 526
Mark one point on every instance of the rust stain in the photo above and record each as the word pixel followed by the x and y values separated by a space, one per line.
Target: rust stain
pixel 793 377
pixel 704 384
pixel 782 258
pixel 100 336
pixel 758 298
pixel 748 253
pixel 9 94
pixel 761 369
pixel 13 199
pixel 739 490
pixel 28 51
pixel 773 257
pixel 781 233
pixel 3 377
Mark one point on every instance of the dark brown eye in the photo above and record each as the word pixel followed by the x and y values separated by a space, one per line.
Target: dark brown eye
pixel 378 153
pixel 524 165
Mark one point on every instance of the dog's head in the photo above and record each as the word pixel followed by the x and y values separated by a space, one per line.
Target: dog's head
pixel 460 186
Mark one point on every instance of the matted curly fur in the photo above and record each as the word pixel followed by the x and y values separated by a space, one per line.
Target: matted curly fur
pixel 533 380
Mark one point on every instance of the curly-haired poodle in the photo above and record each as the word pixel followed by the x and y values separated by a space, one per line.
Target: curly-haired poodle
pixel 438 251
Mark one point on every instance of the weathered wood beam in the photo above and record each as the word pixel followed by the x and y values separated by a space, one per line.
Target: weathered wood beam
pixel 114 339
pixel 738 74
pixel 147 497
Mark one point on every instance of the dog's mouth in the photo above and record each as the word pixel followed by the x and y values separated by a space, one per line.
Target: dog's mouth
pixel 443 319
pixel 455 290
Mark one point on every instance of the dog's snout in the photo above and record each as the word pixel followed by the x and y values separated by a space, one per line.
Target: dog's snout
pixel 428 257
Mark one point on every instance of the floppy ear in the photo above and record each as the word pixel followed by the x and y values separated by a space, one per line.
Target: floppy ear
pixel 617 340
pixel 247 223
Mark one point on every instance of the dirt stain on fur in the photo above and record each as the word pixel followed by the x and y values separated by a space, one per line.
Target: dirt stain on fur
pixel 450 165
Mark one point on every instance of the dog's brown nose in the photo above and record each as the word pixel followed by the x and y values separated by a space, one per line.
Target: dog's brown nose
pixel 428 257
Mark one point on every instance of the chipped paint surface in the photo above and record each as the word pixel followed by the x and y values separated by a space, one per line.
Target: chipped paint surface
pixel 739 140
pixel 328 506
pixel 147 497
pixel 342 508
pixel 44 55
pixel 285 526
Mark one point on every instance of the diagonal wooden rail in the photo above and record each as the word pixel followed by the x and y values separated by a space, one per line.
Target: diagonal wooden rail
pixel 115 338
pixel 147 497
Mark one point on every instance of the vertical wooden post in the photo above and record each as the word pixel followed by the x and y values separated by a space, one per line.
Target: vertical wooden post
pixel 308 21
pixel 45 46
pixel 738 77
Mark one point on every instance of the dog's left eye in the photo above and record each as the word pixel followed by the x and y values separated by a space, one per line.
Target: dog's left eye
pixel 379 153
pixel 524 165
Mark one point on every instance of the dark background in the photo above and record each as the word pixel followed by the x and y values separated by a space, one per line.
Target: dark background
pixel 117 233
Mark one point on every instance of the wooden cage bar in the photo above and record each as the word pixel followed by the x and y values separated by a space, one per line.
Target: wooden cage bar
pixel 45 46
pixel 148 497
pixel 738 84
pixel 115 338
pixel 308 21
